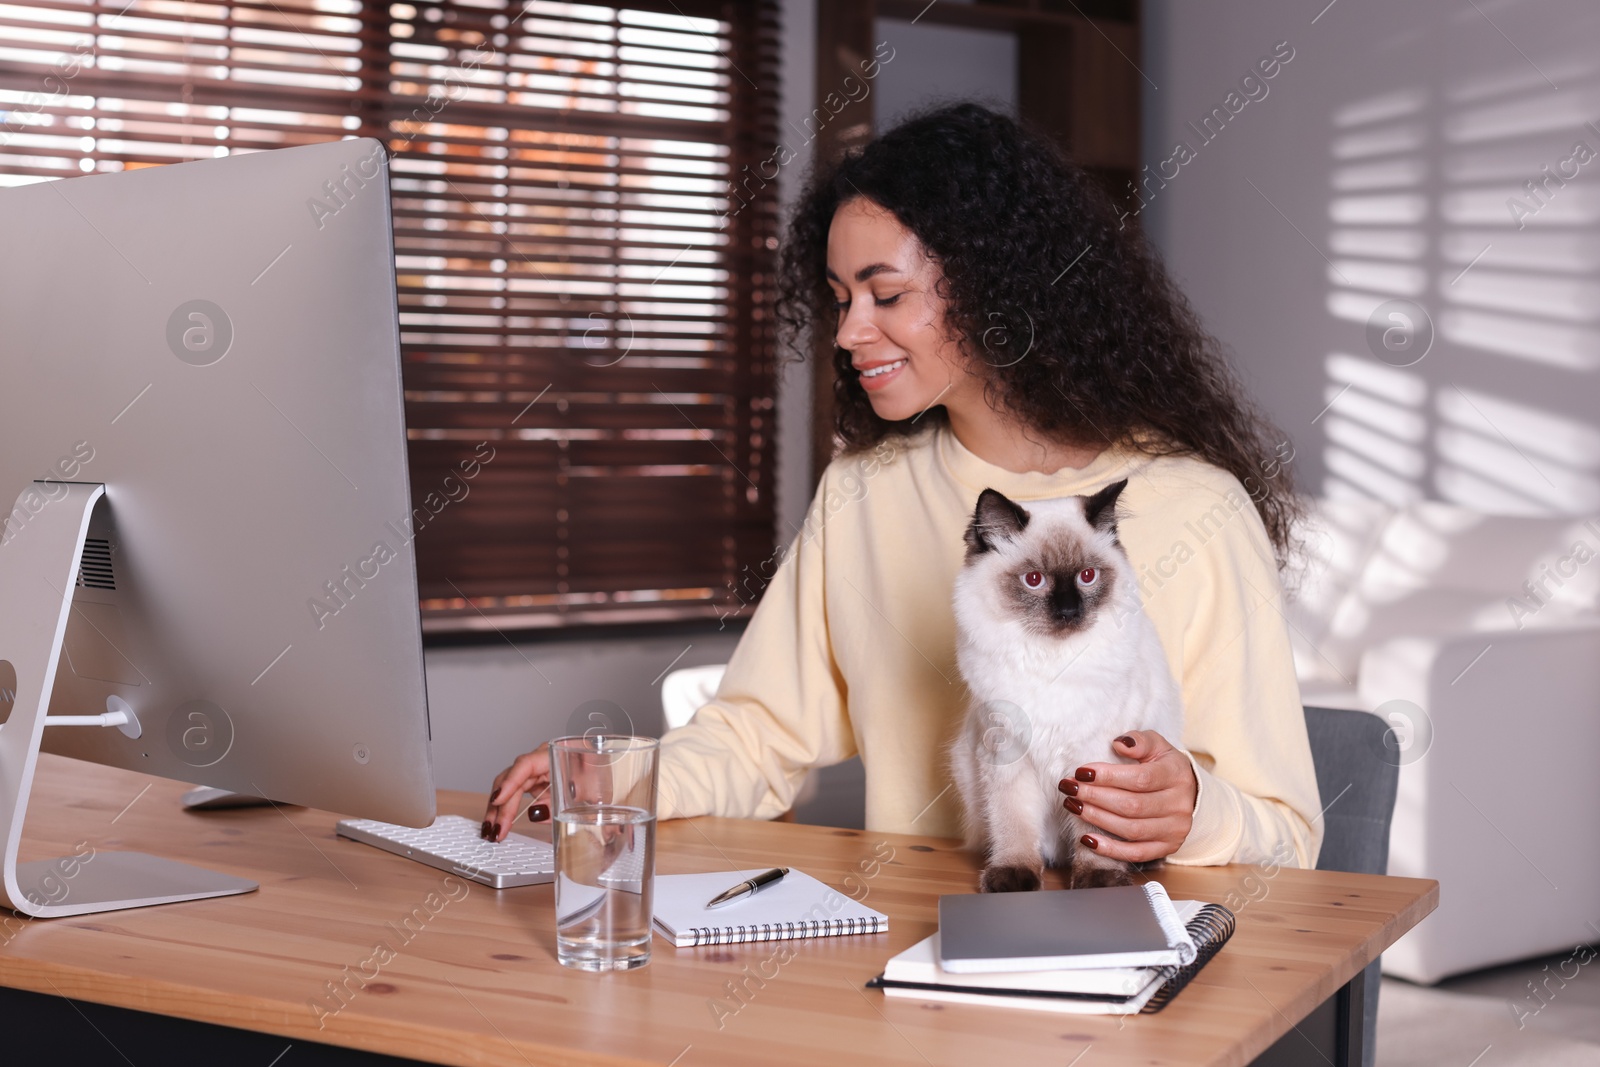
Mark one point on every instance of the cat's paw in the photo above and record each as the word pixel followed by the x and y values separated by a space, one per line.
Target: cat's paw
pixel 1010 880
pixel 1099 877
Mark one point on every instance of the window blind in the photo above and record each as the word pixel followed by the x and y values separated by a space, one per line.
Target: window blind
pixel 584 239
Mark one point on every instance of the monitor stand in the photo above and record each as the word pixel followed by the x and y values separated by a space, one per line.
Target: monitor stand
pixel 38 570
pixel 210 798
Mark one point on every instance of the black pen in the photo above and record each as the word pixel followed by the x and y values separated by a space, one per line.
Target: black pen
pixel 744 889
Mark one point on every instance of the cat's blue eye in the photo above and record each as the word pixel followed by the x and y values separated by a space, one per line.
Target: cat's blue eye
pixel 1033 579
pixel 1086 576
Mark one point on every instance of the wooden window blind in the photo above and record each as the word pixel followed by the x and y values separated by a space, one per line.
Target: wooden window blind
pixel 585 232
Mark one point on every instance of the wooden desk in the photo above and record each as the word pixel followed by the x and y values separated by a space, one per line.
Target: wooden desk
pixel 477 982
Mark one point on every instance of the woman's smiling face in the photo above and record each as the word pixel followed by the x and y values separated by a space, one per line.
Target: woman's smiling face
pixel 891 315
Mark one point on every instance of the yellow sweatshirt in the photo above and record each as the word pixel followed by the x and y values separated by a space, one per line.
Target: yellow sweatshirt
pixel 852 649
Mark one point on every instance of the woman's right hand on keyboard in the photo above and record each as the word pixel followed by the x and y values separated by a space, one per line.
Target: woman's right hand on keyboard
pixel 529 774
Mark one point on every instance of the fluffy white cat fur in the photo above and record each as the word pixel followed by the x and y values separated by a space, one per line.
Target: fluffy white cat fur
pixel 1059 659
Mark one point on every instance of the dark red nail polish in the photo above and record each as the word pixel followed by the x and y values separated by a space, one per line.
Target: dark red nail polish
pixel 1085 774
pixel 1089 842
pixel 1074 805
pixel 1069 787
pixel 485 830
pixel 538 813
pixel 1125 741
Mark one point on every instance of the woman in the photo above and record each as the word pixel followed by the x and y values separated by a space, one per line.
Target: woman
pixel 998 327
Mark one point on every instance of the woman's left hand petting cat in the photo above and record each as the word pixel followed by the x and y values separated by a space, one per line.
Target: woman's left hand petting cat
pixel 1148 805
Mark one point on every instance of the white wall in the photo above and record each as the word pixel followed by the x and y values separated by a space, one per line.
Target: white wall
pixel 943 64
pixel 489 702
pixel 794 383
pixel 1379 166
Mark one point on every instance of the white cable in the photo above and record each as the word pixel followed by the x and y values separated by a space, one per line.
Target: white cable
pixel 110 718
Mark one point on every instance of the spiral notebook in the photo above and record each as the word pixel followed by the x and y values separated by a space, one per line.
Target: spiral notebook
pixel 798 906
pixel 916 974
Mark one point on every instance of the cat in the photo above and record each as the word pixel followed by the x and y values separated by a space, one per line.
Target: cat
pixel 1059 659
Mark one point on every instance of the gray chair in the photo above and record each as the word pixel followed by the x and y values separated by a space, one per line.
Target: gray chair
pixel 1358 773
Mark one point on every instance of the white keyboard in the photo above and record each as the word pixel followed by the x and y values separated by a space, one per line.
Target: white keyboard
pixel 627 870
pixel 455 844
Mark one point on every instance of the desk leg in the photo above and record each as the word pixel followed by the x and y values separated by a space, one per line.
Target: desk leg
pixel 1333 1030
pixel 1351 1015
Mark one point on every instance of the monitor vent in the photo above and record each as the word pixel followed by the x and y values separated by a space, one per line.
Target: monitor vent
pixel 94 571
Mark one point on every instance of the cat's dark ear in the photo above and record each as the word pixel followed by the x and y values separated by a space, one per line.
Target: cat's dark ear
pixel 1101 509
pixel 996 518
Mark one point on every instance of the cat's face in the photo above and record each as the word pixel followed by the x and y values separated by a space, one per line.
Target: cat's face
pixel 1053 566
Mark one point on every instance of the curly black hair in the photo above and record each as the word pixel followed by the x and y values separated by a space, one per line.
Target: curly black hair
pixel 1082 335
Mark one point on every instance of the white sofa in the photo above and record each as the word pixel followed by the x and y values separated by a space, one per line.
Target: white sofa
pixel 1493 689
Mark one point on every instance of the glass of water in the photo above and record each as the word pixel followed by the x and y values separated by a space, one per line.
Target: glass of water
pixel 603 809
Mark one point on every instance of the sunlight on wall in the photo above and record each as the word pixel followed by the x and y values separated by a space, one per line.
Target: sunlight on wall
pixel 1469 197
pixel 1376 424
pixel 1477 198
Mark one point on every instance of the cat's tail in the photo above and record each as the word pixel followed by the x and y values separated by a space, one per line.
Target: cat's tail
pixel 961 760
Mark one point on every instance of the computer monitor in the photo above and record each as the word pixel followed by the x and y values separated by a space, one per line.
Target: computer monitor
pixel 202 428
